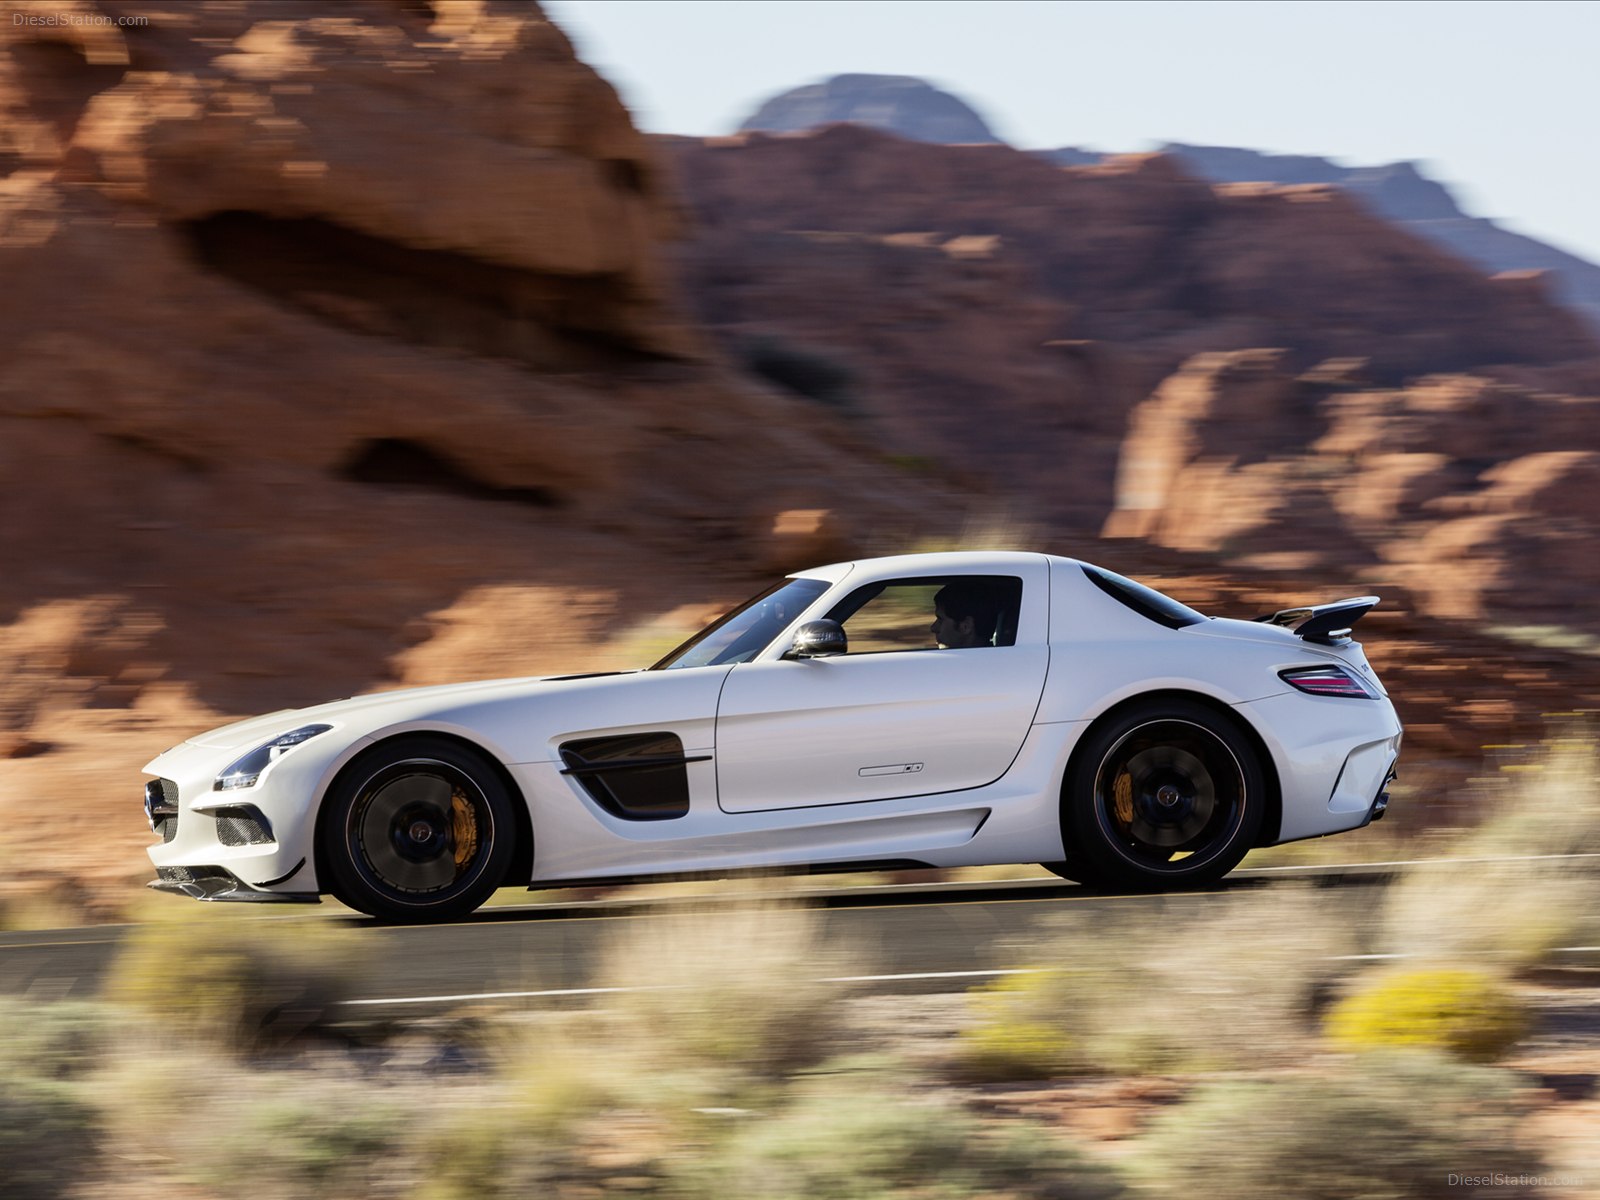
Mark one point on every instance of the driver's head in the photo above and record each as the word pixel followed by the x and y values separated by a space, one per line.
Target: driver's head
pixel 964 615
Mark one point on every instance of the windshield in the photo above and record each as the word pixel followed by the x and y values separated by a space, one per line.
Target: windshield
pixel 746 631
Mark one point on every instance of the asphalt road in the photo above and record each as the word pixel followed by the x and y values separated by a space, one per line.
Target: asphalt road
pixel 903 938
pixel 918 937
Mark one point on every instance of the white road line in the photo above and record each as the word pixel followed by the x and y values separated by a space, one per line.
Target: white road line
pixel 1424 862
pixel 465 996
pixel 910 976
pixel 934 975
pixel 611 991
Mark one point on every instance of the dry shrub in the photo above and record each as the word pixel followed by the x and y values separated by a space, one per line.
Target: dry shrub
pixel 1462 1010
pixel 743 990
pixel 851 1143
pixel 273 1134
pixel 1396 1125
pixel 52 1042
pixel 1231 980
pixel 1019 1031
pixel 49 1139
pixel 713 1010
pixel 487 1151
pixel 49 1134
pixel 1549 804
pixel 246 982
pixel 1515 912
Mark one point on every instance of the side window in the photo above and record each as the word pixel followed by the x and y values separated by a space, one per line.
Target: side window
pixel 951 612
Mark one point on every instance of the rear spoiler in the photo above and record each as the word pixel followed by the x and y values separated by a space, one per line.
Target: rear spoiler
pixel 1325 624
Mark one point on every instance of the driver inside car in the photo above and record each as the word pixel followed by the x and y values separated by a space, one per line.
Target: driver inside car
pixel 964 616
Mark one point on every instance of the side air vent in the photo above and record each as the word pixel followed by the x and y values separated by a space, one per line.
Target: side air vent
pixel 637 776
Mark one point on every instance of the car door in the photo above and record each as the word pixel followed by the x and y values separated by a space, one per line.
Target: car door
pixel 895 716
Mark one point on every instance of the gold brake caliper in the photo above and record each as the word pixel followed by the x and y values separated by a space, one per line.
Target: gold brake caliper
pixel 463 827
pixel 1122 798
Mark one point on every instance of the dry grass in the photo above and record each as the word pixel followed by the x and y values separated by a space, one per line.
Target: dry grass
pixel 306 1134
pixel 236 982
pixel 1232 981
pixel 1499 898
pixel 1381 1126
pixel 740 988
pixel 843 1140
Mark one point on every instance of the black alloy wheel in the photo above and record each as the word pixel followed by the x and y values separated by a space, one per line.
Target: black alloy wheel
pixel 1168 793
pixel 420 829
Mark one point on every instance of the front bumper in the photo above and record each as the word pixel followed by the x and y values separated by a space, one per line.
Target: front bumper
pixel 219 883
pixel 251 845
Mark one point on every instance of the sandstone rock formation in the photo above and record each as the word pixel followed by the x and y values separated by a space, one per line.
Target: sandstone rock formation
pixel 340 346
pixel 1403 194
pixel 1477 495
pixel 911 108
pixel 1002 317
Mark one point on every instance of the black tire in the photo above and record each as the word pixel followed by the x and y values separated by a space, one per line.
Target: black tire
pixel 420 829
pixel 1167 793
pixel 1076 870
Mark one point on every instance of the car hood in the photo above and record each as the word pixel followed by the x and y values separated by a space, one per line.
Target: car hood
pixel 256 730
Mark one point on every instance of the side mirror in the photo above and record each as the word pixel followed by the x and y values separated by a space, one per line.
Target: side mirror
pixel 818 639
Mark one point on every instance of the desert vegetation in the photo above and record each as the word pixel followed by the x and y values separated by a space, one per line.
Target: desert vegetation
pixel 1373 1040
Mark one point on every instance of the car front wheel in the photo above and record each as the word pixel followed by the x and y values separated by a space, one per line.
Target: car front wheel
pixel 418 830
pixel 1169 793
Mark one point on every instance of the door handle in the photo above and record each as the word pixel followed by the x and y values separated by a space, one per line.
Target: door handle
pixel 894 769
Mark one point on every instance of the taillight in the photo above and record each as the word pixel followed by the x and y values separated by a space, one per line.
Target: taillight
pixel 1327 681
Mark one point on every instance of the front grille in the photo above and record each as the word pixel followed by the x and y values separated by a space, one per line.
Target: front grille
pixel 161 807
pixel 242 825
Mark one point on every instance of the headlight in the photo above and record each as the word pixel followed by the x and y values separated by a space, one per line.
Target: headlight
pixel 243 772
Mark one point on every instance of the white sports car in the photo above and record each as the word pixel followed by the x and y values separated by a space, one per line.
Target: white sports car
pixel 940 710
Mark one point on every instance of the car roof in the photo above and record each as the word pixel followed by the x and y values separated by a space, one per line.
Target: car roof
pixel 951 561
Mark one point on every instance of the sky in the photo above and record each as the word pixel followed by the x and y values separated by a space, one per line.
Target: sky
pixel 1500 101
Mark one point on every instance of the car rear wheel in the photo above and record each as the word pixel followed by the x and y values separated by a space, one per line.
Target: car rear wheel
pixel 1168 793
pixel 419 830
